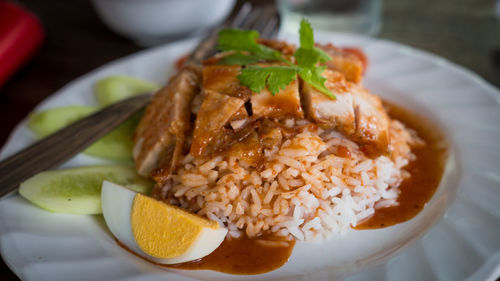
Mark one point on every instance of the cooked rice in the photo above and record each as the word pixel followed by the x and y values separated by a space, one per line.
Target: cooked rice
pixel 304 189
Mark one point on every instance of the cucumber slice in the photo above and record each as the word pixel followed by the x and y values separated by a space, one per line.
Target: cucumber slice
pixel 49 121
pixel 118 144
pixel 78 190
pixel 115 88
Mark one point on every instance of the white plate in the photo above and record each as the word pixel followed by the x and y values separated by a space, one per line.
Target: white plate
pixel 456 236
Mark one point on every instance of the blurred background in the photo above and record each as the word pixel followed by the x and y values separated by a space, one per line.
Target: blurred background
pixel 46 44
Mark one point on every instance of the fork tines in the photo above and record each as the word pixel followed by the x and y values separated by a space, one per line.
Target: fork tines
pixel 262 18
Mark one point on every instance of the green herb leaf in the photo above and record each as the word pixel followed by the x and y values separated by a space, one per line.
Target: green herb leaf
pixel 275 78
pixel 306 35
pixel 308 56
pixel 246 40
pixel 323 56
pixel 236 39
pixel 307 43
pixel 314 77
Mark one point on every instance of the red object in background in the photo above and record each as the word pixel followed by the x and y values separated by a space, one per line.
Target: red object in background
pixel 21 34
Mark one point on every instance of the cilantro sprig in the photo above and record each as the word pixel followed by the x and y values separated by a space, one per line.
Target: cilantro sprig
pixel 241 41
pixel 247 51
pixel 274 77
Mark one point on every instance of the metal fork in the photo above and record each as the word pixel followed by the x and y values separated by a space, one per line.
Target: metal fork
pixel 263 18
pixel 61 146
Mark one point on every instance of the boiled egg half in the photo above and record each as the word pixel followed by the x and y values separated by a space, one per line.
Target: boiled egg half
pixel 157 231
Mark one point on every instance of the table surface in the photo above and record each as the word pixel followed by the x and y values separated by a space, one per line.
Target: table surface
pixel 466 32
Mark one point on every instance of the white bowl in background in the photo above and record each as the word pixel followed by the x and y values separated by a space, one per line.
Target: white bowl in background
pixel 149 22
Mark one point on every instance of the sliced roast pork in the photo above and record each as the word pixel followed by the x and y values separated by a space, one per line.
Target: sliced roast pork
pixel 161 134
pixel 355 112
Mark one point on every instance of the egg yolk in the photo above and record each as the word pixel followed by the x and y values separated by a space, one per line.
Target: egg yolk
pixel 162 230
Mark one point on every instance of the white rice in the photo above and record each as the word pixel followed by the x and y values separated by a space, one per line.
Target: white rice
pixel 304 190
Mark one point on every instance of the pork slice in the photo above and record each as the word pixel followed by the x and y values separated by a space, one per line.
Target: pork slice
pixel 335 113
pixel 162 130
pixel 224 80
pixel 285 102
pixel 345 62
pixel 372 122
pixel 354 112
pixel 215 112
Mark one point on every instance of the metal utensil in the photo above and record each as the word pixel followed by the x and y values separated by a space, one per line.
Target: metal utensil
pixel 62 145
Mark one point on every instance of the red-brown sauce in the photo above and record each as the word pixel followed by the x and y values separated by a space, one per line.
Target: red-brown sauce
pixel 243 256
pixel 426 172
pixel 238 256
